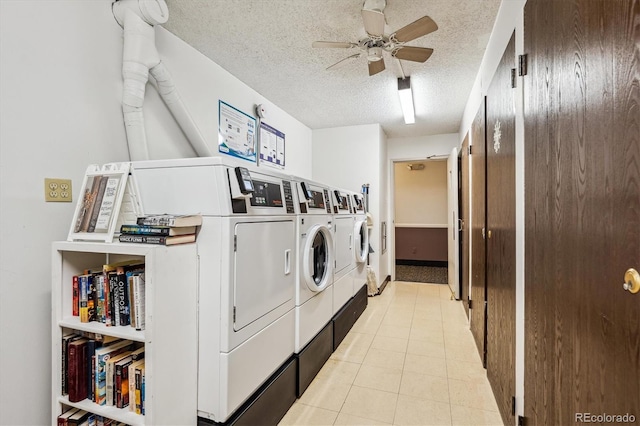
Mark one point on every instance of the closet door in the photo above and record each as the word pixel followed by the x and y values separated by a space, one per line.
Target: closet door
pixel 464 224
pixel 478 226
pixel 501 234
pixel 582 209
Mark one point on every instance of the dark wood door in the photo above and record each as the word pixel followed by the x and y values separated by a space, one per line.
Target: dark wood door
pixel 501 234
pixel 478 223
pixel 464 224
pixel 582 209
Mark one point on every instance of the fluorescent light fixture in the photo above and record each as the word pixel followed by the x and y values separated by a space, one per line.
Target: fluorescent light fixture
pixel 406 100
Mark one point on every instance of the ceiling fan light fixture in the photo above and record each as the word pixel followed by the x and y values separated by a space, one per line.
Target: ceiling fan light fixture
pixel 406 100
pixel 374 54
pixel 377 5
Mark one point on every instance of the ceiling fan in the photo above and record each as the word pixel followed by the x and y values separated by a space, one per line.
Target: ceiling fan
pixel 376 42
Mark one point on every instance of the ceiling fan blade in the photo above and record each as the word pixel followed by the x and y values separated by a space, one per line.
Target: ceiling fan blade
pixel 333 44
pixel 419 28
pixel 411 53
pixel 343 61
pixel 373 22
pixel 376 67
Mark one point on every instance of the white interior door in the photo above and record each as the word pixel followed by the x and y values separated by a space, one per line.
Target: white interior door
pixel 452 226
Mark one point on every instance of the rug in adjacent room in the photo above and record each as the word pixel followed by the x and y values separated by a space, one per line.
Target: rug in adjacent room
pixel 421 274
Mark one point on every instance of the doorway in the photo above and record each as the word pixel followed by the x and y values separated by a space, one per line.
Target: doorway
pixel 420 220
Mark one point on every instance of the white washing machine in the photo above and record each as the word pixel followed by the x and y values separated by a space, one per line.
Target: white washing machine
pixel 343 225
pixel 361 243
pixel 247 269
pixel 316 261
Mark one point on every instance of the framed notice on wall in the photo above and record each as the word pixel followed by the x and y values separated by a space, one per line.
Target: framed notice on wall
pixel 271 145
pixel 236 132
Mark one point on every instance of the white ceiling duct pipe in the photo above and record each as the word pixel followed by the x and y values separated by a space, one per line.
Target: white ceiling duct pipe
pixel 137 18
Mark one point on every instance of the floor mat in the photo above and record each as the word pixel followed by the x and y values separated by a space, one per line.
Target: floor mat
pixel 421 274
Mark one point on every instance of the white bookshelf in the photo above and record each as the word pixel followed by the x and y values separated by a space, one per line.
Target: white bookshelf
pixel 170 335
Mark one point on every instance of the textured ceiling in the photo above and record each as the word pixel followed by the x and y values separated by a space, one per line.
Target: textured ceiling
pixel 267 45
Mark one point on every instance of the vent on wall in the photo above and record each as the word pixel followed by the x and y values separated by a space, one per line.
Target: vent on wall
pixel 418 166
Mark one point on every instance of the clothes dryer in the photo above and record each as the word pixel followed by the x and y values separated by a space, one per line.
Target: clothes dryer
pixel 247 270
pixel 343 225
pixel 316 262
pixel 361 243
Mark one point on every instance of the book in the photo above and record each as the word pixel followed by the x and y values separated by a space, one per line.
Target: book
pixel 142 395
pixel 97 203
pixel 170 220
pixel 133 379
pixel 107 204
pixel 138 354
pixel 77 370
pixel 86 197
pixel 77 418
pixel 89 203
pixel 122 382
pixel 111 376
pixel 103 355
pixel 109 277
pixel 92 298
pixel 66 339
pixel 83 286
pixel 64 417
pixel 90 366
pixel 75 291
pixel 153 239
pixel 166 231
pixel 138 301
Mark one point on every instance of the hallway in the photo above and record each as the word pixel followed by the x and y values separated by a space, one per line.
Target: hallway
pixel 409 360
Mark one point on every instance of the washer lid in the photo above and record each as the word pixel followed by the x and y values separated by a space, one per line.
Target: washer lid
pixel 318 258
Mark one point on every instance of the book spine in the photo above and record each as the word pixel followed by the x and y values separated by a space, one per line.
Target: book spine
pixel 113 297
pixel 132 386
pixel 83 283
pixel 144 230
pixel 91 298
pixel 156 221
pixel 97 203
pixel 132 311
pixel 144 239
pixel 138 385
pixel 124 387
pixel 123 306
pixel 108 202
pixel 138 293
pixel 118 386
pixel 110 387
pixel 99 278
pixel 76 297
pixel 107 298
pixel 90 353
pixel 142 396
pixel 77 379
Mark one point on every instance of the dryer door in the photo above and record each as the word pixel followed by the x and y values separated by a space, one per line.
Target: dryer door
pixel 318 258
pixel 361 247
pixel 264 277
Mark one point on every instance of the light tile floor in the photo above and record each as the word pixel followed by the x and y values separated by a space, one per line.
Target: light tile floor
pixel 409 360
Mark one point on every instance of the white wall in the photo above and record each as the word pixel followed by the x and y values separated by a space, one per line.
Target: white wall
pixel 333 153
pixel 60 85
pixel 510 17
pixel 421 195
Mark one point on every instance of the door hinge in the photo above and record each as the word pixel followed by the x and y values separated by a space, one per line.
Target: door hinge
pixel 469 149
pixel 234 314
pixel 522 64
pixel 513 78
pixel 513 405
pixel 235 243
pixel 470 303
pixel 520 420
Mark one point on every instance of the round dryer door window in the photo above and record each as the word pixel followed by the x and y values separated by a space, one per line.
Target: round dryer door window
pixel 362 241
pixel 318 258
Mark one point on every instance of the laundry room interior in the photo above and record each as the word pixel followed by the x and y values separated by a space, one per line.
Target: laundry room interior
pixel 350 262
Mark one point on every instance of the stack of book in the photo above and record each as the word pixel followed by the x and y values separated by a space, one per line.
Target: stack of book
pixel 164 229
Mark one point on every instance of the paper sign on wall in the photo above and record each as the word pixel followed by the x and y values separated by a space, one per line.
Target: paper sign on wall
pixel 271 145
pixel 236 132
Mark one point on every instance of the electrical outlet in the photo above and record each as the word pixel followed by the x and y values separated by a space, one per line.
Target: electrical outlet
pixel 57 190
